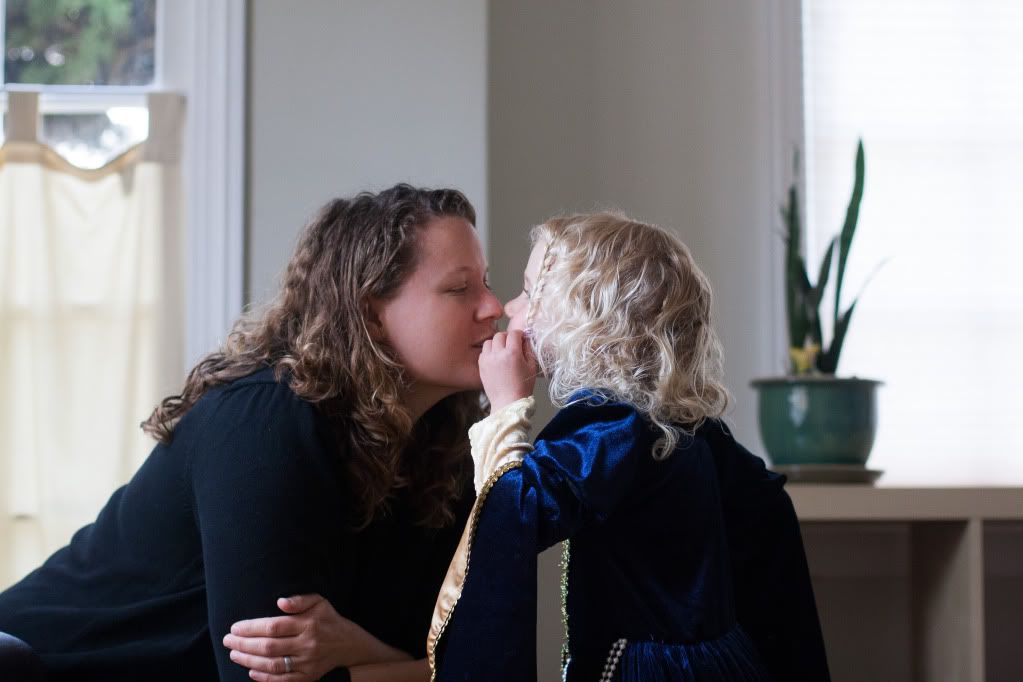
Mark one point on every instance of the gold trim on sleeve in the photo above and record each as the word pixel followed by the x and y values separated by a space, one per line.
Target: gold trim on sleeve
pixel 458 569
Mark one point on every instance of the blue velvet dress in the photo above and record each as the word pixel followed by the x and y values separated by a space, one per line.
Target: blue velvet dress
pixel 690 568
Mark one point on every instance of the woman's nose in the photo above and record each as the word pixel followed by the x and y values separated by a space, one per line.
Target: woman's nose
pixel 490 306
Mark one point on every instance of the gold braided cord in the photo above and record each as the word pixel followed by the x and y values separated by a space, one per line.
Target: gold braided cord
pixel 474 515
pixel 566 556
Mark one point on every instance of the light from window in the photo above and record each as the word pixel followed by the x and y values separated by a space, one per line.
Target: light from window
pixel 90 140
pixel 935 88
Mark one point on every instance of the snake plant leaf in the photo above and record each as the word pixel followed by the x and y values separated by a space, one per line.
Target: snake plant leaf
pixel 798 295
pixel 822 277
pixel 816 294
pixel 797 281
pixel 852 214
pixel 827 362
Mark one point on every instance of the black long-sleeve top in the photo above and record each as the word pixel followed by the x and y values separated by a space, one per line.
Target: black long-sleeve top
pixel 248 503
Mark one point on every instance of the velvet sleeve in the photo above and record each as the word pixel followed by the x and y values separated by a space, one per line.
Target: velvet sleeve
pixel 267 505
pixel 774 597
pixel 580 466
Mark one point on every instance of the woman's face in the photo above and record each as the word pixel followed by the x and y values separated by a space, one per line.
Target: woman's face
pixel 443 312
pixel 517 308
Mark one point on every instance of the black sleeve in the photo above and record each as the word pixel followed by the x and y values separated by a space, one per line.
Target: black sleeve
pixel 774 597
pixel 267 500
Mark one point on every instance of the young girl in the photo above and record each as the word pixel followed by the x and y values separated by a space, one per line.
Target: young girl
pixel 685 560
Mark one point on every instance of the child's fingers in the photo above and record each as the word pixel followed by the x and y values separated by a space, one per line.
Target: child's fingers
pixel 520 342
pixel 527 351
pixel 514 340
pixel 499 340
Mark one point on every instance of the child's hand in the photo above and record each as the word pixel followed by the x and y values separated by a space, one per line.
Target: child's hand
pixel 508 369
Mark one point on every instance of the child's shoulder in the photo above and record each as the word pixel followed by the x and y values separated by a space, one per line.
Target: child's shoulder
pixel 594 413
pixel 594 402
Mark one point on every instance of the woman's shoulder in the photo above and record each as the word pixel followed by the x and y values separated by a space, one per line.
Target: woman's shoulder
pixel 259 425
pixel 261 400
pixel 266 385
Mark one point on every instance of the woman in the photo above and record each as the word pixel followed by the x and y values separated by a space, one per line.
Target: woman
pixel 322 451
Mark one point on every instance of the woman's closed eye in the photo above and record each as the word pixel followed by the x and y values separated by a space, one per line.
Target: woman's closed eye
pixel 464 287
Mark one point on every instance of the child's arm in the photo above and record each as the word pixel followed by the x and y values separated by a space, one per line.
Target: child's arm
pixel 484 624
pixel 582 462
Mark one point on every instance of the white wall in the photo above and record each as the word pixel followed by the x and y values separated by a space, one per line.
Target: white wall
pixel 346 96
pixel 661 109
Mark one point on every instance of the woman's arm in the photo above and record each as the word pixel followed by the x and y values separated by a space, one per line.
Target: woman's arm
pixel 408 671
pixel 314 637
pixel 268 504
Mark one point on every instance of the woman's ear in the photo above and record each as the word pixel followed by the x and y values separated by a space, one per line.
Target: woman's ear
pixel 374 323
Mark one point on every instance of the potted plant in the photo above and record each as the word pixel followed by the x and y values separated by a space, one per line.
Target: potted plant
pixel 815 425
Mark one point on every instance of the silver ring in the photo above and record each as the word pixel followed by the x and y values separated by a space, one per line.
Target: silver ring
pixel 287 664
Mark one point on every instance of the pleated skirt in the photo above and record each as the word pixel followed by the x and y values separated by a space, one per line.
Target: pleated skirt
pixel 729 658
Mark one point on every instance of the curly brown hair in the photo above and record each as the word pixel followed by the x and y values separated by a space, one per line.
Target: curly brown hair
pixel 314 332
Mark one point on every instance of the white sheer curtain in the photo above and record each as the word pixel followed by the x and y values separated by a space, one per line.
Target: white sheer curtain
pixel 90 323
pixel 935 88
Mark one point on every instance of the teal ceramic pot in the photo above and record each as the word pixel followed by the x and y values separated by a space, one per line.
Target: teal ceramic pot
pixel 817 419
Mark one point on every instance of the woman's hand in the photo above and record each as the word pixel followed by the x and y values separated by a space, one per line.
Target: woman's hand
pixel 314 637
pixel 508 368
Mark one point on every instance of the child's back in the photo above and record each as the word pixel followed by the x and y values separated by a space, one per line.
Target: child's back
pixel 655 572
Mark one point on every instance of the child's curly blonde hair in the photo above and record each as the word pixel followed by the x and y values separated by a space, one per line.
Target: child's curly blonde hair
pixel 620 307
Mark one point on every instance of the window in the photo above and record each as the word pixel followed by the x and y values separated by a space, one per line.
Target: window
pixel 91 283
pixel 934 88
pixel 92 59
pixel 87 124
pixel 91 43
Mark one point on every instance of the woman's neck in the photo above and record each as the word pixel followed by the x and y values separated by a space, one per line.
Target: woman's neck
pixel 419 401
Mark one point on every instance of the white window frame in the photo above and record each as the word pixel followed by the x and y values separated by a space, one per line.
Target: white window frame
pixel 205 58
pixel 200 53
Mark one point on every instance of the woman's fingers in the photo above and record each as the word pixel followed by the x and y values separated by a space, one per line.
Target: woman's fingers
pixel 260 676
pixel 272 665
pixel 298 603
pixel 276 626
pixel 262 646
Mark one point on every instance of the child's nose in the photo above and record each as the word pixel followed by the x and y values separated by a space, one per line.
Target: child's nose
pixel 511 306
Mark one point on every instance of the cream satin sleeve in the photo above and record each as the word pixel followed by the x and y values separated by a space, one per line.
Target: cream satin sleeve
pixel 499 444
pixel 500 439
